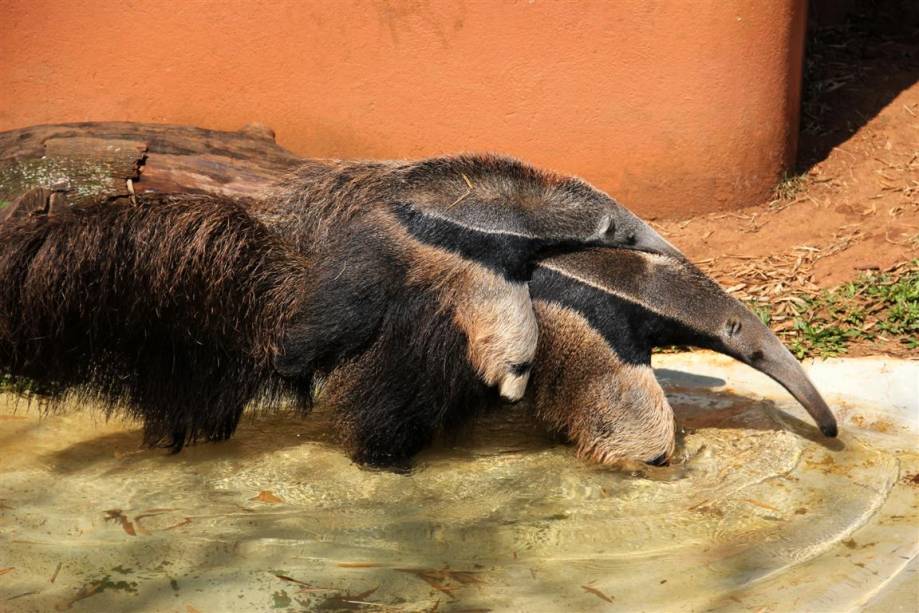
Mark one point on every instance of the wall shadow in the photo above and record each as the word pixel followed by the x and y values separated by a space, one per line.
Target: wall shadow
pixel 860 55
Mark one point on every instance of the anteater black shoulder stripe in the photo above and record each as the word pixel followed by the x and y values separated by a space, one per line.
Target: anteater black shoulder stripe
pixel 507 254
pixel 511 255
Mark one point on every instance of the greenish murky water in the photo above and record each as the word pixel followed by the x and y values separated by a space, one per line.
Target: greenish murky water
pixel 758 514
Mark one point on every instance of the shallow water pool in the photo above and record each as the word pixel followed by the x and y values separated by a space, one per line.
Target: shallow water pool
pixel 758 512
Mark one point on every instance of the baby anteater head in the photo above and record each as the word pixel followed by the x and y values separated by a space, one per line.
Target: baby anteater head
pixel 499 195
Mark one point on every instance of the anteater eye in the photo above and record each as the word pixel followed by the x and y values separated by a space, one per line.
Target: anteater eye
pixel 631 239
pixel 733 327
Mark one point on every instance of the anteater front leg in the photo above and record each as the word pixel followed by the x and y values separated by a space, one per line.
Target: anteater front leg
pixel 383 441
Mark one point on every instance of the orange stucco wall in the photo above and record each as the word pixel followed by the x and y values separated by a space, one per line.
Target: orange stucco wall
pixel 674 106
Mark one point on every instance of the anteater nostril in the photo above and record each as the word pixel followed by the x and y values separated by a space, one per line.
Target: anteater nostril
pixel 661 460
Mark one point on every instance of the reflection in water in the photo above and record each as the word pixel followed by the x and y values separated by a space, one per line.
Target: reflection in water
pixel 499 517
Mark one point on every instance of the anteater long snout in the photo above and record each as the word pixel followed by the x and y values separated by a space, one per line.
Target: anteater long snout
pixel 782 366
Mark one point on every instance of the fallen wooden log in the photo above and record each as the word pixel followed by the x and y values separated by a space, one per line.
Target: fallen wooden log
pixel 48 166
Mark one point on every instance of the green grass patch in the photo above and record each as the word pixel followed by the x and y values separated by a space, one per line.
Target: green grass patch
pixel 873 307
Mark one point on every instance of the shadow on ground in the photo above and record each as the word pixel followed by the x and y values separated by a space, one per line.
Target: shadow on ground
pixel 860 55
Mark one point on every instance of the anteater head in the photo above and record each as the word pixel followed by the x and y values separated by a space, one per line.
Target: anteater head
pixel 666 302
pixel 499 195
pixel 737 332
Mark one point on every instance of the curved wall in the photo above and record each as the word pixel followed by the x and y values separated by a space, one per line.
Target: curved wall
pixel 675 107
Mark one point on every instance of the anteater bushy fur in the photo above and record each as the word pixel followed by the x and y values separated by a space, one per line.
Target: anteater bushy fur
pixel 170 309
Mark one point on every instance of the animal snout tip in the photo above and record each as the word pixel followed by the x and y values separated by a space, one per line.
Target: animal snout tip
pixel 661 460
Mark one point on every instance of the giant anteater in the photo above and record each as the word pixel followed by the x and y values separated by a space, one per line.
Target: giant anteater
pixel 185 308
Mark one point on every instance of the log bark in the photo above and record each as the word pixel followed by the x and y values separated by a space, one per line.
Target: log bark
pixel 48 166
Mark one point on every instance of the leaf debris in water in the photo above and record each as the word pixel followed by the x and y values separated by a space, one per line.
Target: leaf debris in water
pixel 96 587
pixel 117 516
pixel 597 593
pixel 304 586
pixel 440 579
pixel 280 600
pixel 346 601
pixel 267 497
pixel 761 505
pixel 184 522
pixel 292 580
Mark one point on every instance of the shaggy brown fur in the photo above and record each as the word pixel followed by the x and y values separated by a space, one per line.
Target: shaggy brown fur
pixel 416 309
pixel 171 309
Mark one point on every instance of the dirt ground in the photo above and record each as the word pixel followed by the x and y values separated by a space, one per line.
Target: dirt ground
pixel 853 203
